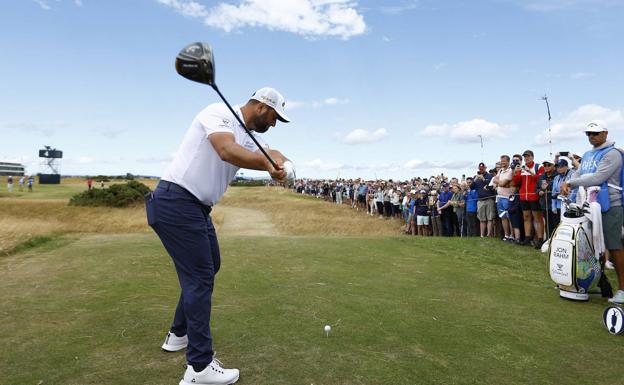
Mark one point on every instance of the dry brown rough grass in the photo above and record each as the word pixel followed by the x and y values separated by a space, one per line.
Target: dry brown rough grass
pixel 296 214
pixel 243 211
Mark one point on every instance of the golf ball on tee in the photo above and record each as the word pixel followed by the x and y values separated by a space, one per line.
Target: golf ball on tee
pixel 327 328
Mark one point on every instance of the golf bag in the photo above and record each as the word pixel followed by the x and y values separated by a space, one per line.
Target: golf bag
pixel 573 265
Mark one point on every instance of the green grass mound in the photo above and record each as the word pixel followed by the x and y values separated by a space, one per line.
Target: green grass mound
pixel 117 195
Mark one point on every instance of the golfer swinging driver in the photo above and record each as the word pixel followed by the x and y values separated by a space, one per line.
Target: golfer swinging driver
pixel 215 146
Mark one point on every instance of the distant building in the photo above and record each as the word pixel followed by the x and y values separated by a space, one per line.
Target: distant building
pixel 14 169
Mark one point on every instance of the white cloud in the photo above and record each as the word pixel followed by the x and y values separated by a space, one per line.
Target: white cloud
pixel 332 101
pixel 581 75
pixel 439 66
pixel 571 126
pixel 162 160
pixel 49 129
pixel 318 164
pixel 42 128
pixel 85 160
pixel 400 8
pixel 45 4
pixel 294 104
pixel 109 132
pixel 563 5
pixel 417 164
pixel 359 136
pixel 186 8
pixel 414 164
pixel 467 131
pixel 435 130
pixel 310 18
pixel 456 164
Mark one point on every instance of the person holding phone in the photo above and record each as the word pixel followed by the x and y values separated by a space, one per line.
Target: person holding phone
pixel 526 177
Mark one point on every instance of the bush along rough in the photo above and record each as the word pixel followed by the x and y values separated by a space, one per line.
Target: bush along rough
pixel 117 195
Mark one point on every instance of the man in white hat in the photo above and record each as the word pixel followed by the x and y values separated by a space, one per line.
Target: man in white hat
pixel 602 166
pixel 212 151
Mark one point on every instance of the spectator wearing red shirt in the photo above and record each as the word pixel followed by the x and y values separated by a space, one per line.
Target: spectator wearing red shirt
pixel 526 177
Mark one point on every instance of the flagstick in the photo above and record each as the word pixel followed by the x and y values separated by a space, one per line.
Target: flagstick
pixel 545 98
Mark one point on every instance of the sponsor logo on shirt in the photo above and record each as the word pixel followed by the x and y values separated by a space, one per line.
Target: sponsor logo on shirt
pixel 251 146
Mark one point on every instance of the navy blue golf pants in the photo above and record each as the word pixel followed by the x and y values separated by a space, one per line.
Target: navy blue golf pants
pixel 186 230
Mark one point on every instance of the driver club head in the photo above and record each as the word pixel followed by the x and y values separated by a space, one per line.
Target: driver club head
pixel 195 62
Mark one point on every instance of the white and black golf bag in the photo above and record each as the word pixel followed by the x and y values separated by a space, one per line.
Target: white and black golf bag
pixel 573 265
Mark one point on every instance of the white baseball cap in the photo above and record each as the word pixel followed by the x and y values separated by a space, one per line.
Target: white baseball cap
pixel 272 98
pixel 595 127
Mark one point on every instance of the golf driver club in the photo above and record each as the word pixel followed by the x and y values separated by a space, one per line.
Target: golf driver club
pixel 196 62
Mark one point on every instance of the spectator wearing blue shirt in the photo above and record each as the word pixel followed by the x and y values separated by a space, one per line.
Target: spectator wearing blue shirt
pixel 361 196
pixel 471 209
pixel 446 210
pixel 412 213
pixel 486 205
pixel 563 175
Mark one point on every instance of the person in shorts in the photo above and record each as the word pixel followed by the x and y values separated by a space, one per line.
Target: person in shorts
pixel 502 182
pixel 526 177
pixel 602 166
pixel 486 205
pixel 422 216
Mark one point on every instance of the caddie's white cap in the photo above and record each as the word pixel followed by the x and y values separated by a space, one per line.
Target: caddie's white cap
pixel 273 99
pixel 595 127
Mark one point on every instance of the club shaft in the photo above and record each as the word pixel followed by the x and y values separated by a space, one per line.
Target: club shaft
pixel 214 86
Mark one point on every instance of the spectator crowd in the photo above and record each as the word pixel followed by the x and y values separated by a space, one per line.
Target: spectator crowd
pixel 516 200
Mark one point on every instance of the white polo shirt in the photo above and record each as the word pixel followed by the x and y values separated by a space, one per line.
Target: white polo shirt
pixel 197 166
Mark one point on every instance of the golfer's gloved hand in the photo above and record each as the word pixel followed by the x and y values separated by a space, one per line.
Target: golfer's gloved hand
pixel 277 173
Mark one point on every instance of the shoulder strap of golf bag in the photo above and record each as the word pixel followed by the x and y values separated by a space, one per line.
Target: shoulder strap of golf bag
pixel 589 164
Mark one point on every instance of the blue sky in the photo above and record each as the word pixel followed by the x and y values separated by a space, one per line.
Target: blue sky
pixel 391 89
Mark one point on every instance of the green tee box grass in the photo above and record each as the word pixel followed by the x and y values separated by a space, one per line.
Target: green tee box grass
pixel 95 309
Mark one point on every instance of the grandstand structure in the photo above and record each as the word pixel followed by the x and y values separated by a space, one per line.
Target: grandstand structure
pixel 12 169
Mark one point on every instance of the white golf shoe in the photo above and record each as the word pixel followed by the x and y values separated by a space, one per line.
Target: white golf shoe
pixel 213 374
pixel 618 298
pixel 174 343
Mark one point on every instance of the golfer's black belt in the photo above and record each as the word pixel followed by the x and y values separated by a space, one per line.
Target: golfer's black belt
pixel 170 186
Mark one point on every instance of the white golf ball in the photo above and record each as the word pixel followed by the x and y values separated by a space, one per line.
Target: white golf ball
pixel 327 328
pixel 289 167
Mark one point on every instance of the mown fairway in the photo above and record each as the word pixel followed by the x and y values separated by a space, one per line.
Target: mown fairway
pixel 93 308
